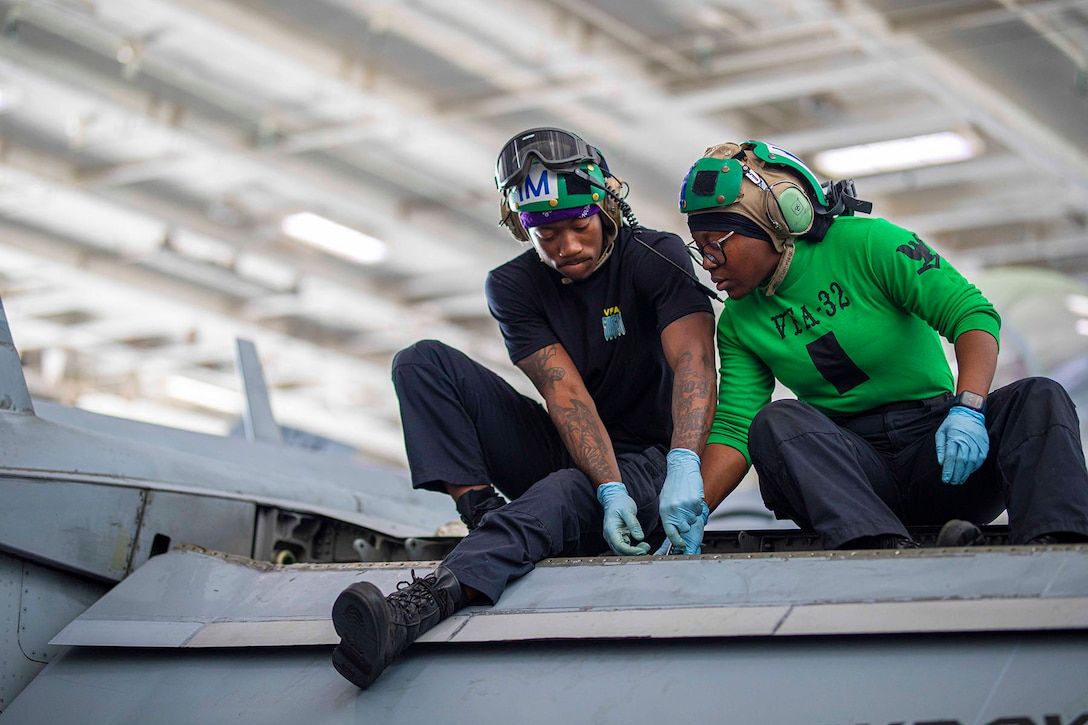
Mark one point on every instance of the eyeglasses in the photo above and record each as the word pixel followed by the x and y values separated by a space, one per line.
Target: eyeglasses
pixel 554 148
pixel 699 254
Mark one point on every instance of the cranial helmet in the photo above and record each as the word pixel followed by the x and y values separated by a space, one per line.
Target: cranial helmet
pixel 544 190
pixel 541 171
pixel 763 183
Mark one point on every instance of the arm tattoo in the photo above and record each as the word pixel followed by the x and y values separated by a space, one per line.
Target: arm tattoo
pixel 584 437
pixel 578 424
pixel 692 396
pixel 536 366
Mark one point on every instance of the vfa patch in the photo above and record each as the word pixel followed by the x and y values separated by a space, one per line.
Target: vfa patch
pixel 613 323
pixel 539 185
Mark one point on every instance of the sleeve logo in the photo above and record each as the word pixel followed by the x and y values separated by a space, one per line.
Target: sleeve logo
pixel 917 250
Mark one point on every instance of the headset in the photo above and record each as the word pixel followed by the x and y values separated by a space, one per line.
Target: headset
pixel 612 203
pixel 565 153
pixel 787 207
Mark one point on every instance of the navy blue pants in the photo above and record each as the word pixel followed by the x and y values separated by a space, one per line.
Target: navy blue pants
pixel 465 425
pixel 876 473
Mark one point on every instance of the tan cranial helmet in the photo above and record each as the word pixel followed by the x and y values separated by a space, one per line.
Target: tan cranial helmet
pixel 763 183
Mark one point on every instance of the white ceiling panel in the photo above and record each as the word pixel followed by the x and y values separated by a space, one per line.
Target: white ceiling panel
pixel 149 150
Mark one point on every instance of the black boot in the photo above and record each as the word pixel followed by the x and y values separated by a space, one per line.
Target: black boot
pixel 960 533
pixel 475 502
pixel 375 629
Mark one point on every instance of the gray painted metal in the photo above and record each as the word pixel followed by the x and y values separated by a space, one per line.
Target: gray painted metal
pixel 85 499
pixel 106 531
pixel 81 527
pixel 170 602
pixel 259 422
pixel 35 603
pixel 81 499
pixel 658 648
pixel 291 478
pixel 14 394
pixel 1016 679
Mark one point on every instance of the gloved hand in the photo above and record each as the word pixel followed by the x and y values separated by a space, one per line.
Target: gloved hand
pixel 681 499
pixel 621 520
pixel 693 538
pixel 962 444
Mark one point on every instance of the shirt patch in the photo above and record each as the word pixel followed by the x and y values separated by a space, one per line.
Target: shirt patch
pixel 834 364
pixel 613 323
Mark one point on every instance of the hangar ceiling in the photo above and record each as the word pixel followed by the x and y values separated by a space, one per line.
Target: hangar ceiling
pixel 151 149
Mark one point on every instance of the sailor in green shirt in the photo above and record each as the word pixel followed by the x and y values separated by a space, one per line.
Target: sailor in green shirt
pixel 847 312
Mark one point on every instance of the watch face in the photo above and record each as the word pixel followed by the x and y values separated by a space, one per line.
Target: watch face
pixel 974 401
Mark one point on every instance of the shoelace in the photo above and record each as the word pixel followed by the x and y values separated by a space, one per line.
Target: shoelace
pixel 413 597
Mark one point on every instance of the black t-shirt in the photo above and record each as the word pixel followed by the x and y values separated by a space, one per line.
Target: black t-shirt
pixel 610 324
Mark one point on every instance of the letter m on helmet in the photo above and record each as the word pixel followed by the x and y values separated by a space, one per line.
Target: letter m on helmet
pixel 541 189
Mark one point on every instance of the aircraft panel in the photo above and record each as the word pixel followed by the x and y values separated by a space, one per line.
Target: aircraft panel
pixel 35 603
pixel 70 443
pixel 173 518
pixel 81 527
pixel 240 603
pixel 1021 679
pixel 107 531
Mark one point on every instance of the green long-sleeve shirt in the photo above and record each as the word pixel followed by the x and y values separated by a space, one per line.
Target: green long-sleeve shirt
pixel 853 326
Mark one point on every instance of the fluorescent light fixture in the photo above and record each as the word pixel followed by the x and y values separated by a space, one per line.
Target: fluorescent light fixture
pixel 904 153
pixel 1077 304
pixel 334 238
pixel 1082 327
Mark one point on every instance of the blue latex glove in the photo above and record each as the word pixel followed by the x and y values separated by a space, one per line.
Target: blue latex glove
pixel 681 499
pixel 693 538
pixel 621 520
pixel 962 444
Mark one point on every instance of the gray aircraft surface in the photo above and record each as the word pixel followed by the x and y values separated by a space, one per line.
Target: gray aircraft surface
pixel 152 575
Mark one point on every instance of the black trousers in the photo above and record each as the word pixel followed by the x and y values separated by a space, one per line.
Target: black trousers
pixel 876 473
pixel 465 425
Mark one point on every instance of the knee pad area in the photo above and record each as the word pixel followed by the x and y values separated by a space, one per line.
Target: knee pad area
pixel 780 413
pixel 423 351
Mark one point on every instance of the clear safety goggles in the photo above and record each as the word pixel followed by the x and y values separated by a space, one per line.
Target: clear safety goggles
pixel 554 148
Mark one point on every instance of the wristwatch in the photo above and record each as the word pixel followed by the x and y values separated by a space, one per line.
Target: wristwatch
pixel 971 401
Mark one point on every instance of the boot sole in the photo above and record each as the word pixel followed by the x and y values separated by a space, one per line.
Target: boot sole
pixel 361 634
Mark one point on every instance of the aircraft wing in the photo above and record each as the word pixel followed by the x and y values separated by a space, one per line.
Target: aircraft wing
pixel 992 635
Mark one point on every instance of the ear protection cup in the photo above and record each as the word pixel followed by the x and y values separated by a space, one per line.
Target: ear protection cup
pixel 611 208
pixel 792 211
pixel 510 219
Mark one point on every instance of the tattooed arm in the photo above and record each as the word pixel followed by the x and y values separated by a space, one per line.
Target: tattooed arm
pixel 573 412
pixel 689 348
